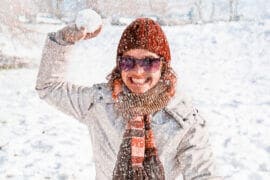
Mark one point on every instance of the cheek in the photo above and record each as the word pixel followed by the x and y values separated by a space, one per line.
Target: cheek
pixel 124 76
pixel 156 76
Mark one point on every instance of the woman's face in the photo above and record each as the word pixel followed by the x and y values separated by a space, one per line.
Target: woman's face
pixel 138 80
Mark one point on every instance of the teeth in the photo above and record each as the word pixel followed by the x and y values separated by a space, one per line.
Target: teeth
pixel 138 81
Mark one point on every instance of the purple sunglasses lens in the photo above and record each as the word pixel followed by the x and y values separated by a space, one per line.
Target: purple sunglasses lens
pixel 126 63
pixel 150 64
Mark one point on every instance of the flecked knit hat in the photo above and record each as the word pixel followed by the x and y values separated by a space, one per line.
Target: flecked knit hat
pixel 144 33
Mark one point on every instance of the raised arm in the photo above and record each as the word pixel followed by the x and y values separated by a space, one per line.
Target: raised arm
pixel 51 84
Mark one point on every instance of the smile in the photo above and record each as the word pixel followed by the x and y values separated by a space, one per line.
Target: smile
pixel 140 81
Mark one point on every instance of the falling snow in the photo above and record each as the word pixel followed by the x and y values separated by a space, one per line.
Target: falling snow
pixel 224 66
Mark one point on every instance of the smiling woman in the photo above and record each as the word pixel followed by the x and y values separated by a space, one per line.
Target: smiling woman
pixel 142 76
pixel 122 115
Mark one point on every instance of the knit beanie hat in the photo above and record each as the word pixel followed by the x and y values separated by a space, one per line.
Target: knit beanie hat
pixel 144 33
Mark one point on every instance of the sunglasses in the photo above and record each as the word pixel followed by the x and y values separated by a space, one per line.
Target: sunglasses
pixel 149 64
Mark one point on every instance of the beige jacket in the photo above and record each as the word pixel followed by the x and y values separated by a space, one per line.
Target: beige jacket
pixel 180 132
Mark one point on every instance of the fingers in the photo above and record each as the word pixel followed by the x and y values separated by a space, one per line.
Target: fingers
pixel 93 34
pixel 83 29
pixel 72 33
pixel 68 34
pixel 81 33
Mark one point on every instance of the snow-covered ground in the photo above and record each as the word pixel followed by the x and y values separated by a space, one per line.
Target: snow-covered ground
pixel 224 67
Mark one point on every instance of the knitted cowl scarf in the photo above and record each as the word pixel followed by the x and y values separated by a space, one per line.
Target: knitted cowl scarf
pixel 138 156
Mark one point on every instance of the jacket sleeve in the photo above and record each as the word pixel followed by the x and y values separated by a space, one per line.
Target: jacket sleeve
pixel 194 151
pixel 51 85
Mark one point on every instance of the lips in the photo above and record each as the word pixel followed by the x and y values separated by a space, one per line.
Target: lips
pixel 139 81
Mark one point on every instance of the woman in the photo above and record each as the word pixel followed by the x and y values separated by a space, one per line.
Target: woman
pixel 139 130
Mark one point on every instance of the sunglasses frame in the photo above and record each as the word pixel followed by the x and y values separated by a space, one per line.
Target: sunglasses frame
pixel 161 59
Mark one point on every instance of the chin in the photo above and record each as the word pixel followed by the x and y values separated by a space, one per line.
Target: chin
pixel 138 90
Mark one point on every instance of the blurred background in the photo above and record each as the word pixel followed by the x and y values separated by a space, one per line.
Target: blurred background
pixel 220 52
pixel 23 21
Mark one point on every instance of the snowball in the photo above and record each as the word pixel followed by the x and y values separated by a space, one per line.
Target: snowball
pixel 89 19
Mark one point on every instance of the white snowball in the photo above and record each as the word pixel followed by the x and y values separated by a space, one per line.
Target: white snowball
pixel 89 19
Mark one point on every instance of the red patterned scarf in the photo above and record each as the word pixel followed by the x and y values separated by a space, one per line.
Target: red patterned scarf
pixel 138 156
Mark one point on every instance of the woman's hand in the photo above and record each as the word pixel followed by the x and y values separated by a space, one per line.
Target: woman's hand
pixel 71 33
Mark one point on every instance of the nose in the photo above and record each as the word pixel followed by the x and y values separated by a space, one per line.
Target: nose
pixel 138 69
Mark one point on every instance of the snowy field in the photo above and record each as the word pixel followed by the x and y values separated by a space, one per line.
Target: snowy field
pixel 223 66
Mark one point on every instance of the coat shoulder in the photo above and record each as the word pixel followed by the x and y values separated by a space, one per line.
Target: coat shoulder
pixel 102 93
pixel 183 110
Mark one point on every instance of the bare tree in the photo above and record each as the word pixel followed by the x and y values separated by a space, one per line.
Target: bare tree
pixel 212 11
pixel 198 5
pixel 9 16
pixel 92 4
pixel 57 11
pixel 233 5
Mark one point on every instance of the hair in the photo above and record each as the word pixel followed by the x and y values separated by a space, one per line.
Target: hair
pixel 168 76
